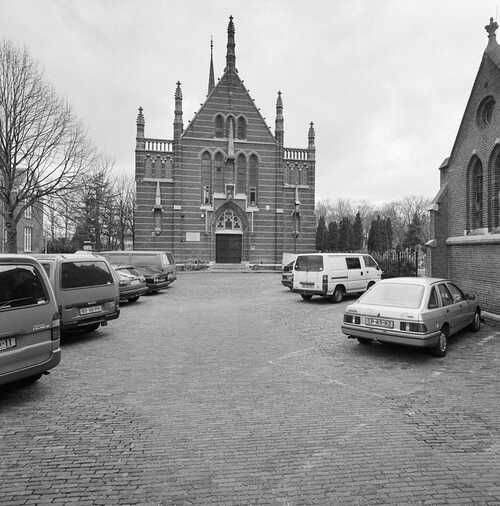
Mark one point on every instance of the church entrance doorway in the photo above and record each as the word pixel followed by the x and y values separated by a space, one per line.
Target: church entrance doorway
pixel 228 238
pixel 228 248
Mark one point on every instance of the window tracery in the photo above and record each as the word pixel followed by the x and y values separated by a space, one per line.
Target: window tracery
pixel 228 221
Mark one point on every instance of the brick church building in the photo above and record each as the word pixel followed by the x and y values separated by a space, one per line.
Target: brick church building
pixel 225 189
pixel 465 214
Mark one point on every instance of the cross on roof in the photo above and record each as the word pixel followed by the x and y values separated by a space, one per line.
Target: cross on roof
pixel 491 28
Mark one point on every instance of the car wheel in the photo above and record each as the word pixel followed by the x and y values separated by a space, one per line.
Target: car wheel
pixel 134 299
pixel 290 288
pixel 305 296
pixel 476 322
pixel 442 345
pixel 338 294
pixel 363 340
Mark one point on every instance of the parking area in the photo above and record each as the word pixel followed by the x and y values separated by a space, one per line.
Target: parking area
pixel 229 389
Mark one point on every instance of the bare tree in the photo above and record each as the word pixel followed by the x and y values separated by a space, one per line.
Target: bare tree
pixel 43 148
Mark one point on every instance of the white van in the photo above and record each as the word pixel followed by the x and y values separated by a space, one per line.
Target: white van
pixel 334 274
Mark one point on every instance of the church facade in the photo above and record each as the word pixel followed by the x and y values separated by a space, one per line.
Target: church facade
pixel 465 214
pixel 225 189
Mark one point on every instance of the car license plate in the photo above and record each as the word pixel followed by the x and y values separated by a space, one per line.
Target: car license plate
pixel 380 322
pixel 90 310
pixel 7 342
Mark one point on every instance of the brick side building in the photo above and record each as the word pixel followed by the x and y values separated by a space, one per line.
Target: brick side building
pixel 225 188
pixel 465 215
pixel 29 231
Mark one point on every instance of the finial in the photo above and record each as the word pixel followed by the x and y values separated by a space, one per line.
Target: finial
pixel 140 116
pixel 491 28
pixel 230 54
pixel 279 101
pixel 211 78
pixel 311 130
pixel 178 91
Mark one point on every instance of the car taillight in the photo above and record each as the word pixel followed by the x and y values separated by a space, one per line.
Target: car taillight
pixel 357 320
pixel 325 282
pixel 413 327
pixel 55 327
pixel 348 318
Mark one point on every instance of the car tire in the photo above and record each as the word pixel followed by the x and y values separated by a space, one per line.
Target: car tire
pixel 305 296
pixel 475 326
pixel 133 299
pixel 364 340
pixel 442 345
pixel 290 288
pixel 338 294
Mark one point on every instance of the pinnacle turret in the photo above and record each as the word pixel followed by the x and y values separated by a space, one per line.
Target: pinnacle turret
pixel 311 146
pixel 230 54
pixel 211 79
pixel 279 128
pixel 139 144
pixel 178 125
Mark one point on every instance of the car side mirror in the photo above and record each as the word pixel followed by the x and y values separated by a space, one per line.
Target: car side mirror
pixel 469 296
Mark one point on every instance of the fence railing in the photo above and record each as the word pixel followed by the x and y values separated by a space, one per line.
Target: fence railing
pixel 394 263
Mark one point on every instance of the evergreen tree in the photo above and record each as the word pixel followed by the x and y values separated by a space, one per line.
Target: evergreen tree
pixel 388 233
pixel 321 234
pixel 372 236
pixel 414 233
pixel 357 234
pixel 345 232
pixel 333 236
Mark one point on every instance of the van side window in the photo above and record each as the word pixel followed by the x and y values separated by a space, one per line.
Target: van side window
pixel 353 263
pixel 433 299
pixel 21 286
pixel 446 297
pixel 369 262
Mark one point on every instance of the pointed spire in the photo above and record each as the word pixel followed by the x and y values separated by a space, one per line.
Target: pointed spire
pixel 230 54
pixel 178 125
pixel 139 144
pixel 279 129
pixel 311 146
pixel 211 79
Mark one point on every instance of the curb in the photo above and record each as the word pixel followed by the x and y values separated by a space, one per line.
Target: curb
pixel 491 318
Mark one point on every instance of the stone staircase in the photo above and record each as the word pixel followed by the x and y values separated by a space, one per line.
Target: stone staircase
pixel 243 267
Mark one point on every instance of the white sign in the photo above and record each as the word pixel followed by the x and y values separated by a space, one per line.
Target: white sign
pixel 192 237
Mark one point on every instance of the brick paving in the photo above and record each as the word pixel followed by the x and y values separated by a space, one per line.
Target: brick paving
pixel 229 389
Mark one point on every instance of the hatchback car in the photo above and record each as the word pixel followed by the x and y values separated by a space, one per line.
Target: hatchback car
pixel 156 280
pixel 132 284
pixel 422 312
pixel 29 320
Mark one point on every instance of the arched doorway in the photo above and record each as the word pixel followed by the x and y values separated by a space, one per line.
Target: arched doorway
pixel 228 237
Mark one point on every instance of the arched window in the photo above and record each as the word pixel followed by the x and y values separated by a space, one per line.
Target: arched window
pixel 302 175
pixel 219 126
pixel 241 131
pixel 494 190
pixel 253 174
pixel 475 199
pixel 206 179
pixel 228 221
pixel 219 174
pixel 147 171
pixel 229 125
pixel 241 174
pixel 168 168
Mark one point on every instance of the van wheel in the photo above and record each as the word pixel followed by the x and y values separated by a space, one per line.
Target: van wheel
pixel 305 296
pixel 91 328
pixel 133 299
pixel 476 322
pixel 338 294
pixel 363 340
pixel 29 380
pixel 442 345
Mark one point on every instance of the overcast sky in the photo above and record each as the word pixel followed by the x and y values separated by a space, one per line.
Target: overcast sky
pixel 385 82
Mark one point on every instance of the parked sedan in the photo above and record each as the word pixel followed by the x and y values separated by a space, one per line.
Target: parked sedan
pixel 132 284
pixel 287 275
pixel 422 312
pixel 155 278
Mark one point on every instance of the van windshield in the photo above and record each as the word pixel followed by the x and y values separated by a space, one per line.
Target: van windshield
pixel 20 285
pixel 309 263
pixel 83 274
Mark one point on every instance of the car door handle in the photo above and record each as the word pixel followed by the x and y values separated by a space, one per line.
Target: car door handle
pixel 361 273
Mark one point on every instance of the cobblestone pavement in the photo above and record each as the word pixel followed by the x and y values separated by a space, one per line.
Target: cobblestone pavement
pixel 229 389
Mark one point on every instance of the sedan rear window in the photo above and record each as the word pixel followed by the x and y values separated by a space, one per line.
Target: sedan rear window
pixel 20 285
pixel 403 295
pixel 309 263
pixel 84 274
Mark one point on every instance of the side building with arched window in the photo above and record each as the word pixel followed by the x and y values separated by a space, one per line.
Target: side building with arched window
pixel 465 214
pixel 225 189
